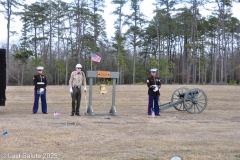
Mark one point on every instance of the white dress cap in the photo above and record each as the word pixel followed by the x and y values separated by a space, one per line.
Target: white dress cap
pixel 39 68
pixel 153 69
pixel 78 66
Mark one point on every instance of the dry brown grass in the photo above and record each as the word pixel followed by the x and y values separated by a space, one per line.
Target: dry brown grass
pixel 213 134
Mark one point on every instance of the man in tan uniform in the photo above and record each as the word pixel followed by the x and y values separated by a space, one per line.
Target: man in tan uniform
pixel 77 78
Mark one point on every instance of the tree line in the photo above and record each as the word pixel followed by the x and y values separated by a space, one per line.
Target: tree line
pixel 185 46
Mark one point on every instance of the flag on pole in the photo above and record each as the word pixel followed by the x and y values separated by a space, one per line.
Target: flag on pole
pixel 5 133
pixel 153 114
pixel 56 113
pixel 95 58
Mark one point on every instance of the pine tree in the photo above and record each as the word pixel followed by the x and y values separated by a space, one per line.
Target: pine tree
pixel 9 6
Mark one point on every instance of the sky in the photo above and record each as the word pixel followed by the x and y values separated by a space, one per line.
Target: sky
pixel 146 8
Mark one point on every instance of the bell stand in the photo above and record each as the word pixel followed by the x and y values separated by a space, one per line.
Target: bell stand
pixel 102 74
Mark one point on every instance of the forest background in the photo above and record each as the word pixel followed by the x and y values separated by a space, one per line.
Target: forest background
pixel 186 46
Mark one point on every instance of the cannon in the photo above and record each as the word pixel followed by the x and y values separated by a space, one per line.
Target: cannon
pixel 194 101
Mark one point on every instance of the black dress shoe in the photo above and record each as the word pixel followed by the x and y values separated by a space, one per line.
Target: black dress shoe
pixel 44 112
pixel 78 114
pixel 157 114
pixel 72 114
pixel 34 112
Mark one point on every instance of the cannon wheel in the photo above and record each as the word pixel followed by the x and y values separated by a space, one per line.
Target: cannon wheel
pixel 175 96
pixel 195 103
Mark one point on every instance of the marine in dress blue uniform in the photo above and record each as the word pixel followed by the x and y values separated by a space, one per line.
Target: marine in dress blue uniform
pixel 154 84
pixel 40 83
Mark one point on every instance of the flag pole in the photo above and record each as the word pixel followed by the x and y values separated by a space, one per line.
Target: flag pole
pixel 91 62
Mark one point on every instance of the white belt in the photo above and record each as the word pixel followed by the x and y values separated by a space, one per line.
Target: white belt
pixel 40 83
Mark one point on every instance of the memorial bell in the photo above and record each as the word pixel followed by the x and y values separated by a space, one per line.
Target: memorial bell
pixel 103 89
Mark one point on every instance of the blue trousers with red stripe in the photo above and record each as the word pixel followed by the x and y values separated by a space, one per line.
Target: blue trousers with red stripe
pixel 43 100
pixel 151 100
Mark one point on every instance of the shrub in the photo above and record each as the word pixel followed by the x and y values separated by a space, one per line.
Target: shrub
pixel 98 83
pixel 140 83
pixel 233 82
pixel 109 82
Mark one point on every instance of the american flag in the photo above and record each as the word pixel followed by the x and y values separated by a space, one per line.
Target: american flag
pixel 95 58
pixel 5 133
pixel 56 113
pixel 153 114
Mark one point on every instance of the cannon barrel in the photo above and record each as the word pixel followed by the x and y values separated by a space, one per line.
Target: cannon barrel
pixel 181 95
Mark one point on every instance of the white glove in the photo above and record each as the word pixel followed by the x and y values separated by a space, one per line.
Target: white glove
pixel 41 90
pixel 153 86
pixel 85 89
pixel 156 88
pixel 70 90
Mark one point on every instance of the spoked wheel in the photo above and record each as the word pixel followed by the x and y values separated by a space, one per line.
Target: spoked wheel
pixel 178 95
pixel 195 101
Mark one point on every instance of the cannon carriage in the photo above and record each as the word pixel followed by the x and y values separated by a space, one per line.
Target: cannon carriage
pixel 194 101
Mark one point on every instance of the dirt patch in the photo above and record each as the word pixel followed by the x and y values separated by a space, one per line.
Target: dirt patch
pixel 212 134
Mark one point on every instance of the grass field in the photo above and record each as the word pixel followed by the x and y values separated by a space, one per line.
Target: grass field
pixel 213 134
